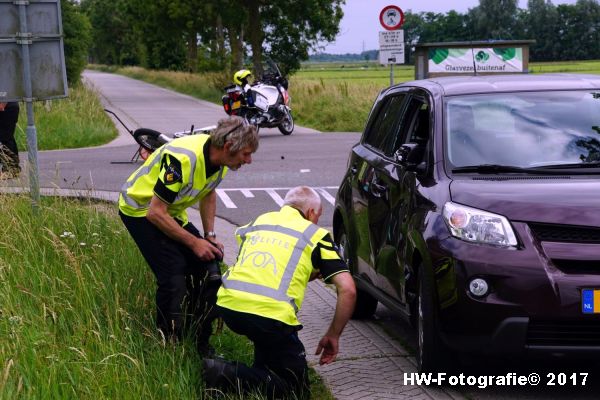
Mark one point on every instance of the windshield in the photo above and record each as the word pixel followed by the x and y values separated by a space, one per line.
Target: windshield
pixel 523 129
pixel 270 69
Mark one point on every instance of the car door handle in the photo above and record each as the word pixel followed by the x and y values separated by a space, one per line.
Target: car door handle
pixel 377 190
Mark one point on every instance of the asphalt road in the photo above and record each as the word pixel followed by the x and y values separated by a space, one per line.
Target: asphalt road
pixel 317 160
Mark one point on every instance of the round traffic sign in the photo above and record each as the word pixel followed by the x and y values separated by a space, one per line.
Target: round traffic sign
pixel 391 17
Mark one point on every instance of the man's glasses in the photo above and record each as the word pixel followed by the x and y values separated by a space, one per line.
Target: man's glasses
pixel 243 123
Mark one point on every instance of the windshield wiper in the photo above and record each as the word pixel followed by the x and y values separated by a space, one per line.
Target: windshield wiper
pixel 497 168
pixel 595 164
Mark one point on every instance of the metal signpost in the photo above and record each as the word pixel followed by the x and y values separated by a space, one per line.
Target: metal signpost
pixel 32 64
pixel 391 41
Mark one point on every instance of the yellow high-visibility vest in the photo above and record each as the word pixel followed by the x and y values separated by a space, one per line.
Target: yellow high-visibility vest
pixel 272 270
pixel 136 193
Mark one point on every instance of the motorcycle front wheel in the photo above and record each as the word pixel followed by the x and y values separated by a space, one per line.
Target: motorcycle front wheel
pixel 148 139
pixel 286 127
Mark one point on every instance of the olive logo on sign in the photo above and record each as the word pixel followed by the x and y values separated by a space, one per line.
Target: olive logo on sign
pixel 482 56
pixel 261 259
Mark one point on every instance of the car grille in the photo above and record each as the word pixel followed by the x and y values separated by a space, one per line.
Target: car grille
pixel 578 266
pixel 563 333
pixel 565 233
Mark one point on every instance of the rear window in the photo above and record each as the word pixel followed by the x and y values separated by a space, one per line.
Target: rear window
pixel 523 129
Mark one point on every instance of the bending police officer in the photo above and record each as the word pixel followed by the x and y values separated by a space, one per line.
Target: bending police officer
pixel 152 206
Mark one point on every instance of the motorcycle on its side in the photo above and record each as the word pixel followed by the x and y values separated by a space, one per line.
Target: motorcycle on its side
pixel 149 140
pixel 265 103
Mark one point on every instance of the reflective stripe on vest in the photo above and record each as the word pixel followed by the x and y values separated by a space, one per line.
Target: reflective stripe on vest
pixel 210 186
pixel 279 294
pixel 183 193
pixel 142 171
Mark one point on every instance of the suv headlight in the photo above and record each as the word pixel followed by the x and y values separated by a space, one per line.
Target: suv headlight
pixel 478 226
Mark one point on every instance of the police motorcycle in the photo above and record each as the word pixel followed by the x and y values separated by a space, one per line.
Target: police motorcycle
pixel 265 103
pixel 149 140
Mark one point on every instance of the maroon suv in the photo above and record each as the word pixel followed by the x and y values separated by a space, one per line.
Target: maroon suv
pixel 471 205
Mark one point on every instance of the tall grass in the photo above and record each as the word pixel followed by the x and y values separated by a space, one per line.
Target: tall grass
pixel 325 96
pixel 332 105
pixel 77 311
pixel 74 122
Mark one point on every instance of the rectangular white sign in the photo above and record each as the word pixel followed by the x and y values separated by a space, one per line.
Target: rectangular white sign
pixel 390 38
pixel 391 47
pixel 485 60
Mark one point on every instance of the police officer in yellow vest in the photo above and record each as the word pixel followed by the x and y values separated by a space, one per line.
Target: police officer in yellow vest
pixel 153 204
pixel 263 292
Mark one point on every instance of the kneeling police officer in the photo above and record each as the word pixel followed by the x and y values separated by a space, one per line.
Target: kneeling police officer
pixel 262 293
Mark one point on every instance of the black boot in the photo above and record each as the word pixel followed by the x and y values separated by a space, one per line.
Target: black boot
pixel 206 313
pixel 219 374
pixel 205 350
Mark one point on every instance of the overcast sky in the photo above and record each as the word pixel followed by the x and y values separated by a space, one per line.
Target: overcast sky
pixel 359 29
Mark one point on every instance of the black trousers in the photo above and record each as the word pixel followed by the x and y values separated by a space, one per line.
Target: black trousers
pixel 279 368
pixel 9 154
pixel 185 300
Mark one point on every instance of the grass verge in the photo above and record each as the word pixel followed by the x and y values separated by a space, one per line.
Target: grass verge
pixel 75 122
pixel 77 311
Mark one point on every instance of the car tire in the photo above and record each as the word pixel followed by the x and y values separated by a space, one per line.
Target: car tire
pixel 431 353
pixel 365 303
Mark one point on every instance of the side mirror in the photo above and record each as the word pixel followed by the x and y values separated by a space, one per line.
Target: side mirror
pixel 410 156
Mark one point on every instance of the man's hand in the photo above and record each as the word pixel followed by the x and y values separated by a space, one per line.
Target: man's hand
pixel 314 275
pixel 216 243
pixel 328 348
pixel 346 292
pixel 206 251
pixel 159 216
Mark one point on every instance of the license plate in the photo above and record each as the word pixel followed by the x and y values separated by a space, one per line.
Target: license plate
pixel 236 105
pixel 590 301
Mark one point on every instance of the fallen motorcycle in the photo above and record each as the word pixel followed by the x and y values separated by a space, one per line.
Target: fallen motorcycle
pixel 149 139
pixel 265 103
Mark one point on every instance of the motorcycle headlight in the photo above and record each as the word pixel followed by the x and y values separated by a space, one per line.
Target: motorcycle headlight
pixel 478 226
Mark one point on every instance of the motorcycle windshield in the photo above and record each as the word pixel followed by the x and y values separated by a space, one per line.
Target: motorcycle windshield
pixel 271 72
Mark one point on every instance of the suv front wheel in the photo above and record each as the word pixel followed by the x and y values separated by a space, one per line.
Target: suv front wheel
pixel 431 352
pixel 365 303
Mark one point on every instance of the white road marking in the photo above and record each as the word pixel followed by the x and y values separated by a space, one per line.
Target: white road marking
pixel 225 199
pixel 326 195
pixel 275 196
pixel 302 171
pixel 272 192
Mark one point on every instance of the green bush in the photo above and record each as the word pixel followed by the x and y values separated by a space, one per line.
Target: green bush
pixel 77 39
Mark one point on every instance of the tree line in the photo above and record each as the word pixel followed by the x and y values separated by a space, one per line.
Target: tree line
pixel 223 35
pixel 198 35
pixel 561 32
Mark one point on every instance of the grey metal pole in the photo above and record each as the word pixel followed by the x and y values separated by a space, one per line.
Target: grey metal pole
pixel 24 38
pixel 32 150
pixel 391 74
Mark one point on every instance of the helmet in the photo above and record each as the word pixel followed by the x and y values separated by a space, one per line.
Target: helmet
pixel 240 76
